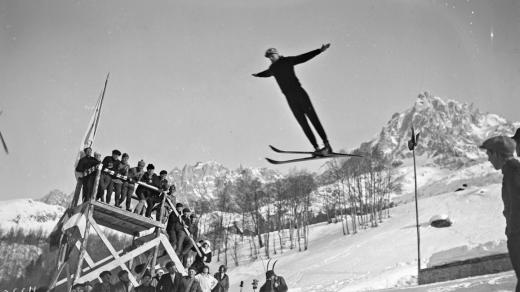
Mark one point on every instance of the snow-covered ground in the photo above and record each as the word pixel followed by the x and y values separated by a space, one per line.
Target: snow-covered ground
pixel 385 257
pixel 500 282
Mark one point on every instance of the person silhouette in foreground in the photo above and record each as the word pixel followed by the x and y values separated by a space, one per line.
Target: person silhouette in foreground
pixel 282 68
pixel 516 138
pixel 500 150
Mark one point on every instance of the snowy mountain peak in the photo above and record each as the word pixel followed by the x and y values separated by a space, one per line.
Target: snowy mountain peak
pixel 450 131
pixel 57 197
pixel 199 180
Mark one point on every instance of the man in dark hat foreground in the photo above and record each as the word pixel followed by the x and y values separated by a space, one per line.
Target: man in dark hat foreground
pixel 500 151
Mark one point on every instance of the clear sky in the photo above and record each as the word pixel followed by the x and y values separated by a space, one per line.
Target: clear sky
pixel 181 89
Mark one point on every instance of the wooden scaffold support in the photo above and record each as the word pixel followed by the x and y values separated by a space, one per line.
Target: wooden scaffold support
pixel 148 240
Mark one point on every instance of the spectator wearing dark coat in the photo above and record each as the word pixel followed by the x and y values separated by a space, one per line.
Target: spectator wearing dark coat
pixel 155 199
pixel 105 285
pixel 174 224
pixel 184 243
pixel 142 192
pixel 204 257
pixel 189 283
pixel 171 281
pixel 134 175
pixel 124 284
pixel 223 280
pixel 117 184
pixel 85 167
pixel 146 284
pixel 109 163
pixel 273 283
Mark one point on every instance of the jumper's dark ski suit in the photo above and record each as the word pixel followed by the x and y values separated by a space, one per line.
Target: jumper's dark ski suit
pixel 297 97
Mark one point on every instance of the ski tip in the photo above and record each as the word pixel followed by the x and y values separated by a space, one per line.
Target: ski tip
pixel 271 161
pixel 273 148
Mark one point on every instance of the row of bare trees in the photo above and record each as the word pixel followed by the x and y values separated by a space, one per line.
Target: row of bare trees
pixel 264 218
pixel 358 190
pixel 261 215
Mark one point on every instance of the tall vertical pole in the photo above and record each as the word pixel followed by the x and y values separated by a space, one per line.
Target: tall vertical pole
pixel 417 217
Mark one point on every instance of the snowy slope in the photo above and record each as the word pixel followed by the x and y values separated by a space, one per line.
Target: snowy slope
pixel 385 256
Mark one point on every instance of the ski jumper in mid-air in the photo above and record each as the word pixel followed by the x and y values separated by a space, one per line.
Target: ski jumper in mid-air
pixel 282 68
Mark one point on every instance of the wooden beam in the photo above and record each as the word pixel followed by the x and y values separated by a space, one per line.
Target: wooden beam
pixel 169 249
pixel 122 220
pixel 123 259
pixel 56 276
pixel 158 233
pixel 112 251
pixel 88 259
pixel 83 245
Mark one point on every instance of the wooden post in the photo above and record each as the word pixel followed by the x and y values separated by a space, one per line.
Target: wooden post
pixel 61 265
pixel 87 227
pixel 158 233
pixel 83 244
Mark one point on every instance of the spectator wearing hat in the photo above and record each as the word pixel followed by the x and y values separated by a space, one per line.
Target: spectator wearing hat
pixel 146 283
pixel 154 197
pixel 142 192
pixel 77 288
pixel 109 163
pixel 105 285
pixel 190 283
pixel 223 280
pixel 516 137
pixel 124 284
pixel 134 175
pixel 206 280
pixel 85 168
pixel 174 225
pixel 87 287
pixel 182 236
pixel 500 151
pixel 171 281
pixel 117 183
pixel 194 226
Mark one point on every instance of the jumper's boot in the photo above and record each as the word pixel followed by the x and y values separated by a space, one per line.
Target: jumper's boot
pixel 326 150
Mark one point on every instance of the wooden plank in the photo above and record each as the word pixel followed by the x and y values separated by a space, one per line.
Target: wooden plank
pixel 88 259
pixel 173 256
pixel 112 251
pixel 56 276
pixel 123 259
pixel 158 233
pixel 83 245
pixel 122 220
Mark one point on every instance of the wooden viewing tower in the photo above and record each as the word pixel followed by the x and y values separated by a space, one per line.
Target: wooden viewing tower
pixel 148 239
